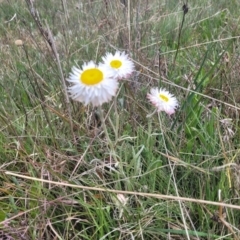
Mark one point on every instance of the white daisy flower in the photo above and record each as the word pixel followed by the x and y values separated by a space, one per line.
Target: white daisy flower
pixel 120 62
pixel 163 100
pixel 92 84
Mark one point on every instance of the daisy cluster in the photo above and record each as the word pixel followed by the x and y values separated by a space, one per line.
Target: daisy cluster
pixel 97 83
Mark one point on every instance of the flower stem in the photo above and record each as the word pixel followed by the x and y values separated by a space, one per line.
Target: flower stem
pixel 112 153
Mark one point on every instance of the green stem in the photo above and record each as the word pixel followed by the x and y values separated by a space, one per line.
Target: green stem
pixel 111 146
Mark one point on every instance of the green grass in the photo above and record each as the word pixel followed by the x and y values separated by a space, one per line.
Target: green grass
pixel 184 155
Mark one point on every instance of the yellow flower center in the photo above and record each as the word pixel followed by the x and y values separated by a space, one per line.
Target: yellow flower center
pixel 91 76
pixel 164 97
pixel 116 64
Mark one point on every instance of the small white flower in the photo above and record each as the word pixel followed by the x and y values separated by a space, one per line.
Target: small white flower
pixel 120 63
pixel 163 100
pixel 92 84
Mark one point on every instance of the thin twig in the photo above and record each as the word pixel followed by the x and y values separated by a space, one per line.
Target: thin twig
pixel 129 24
pixel 53 229
pixel 47 34
pixel 143 194
pixel 35 16
pixel 54 49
